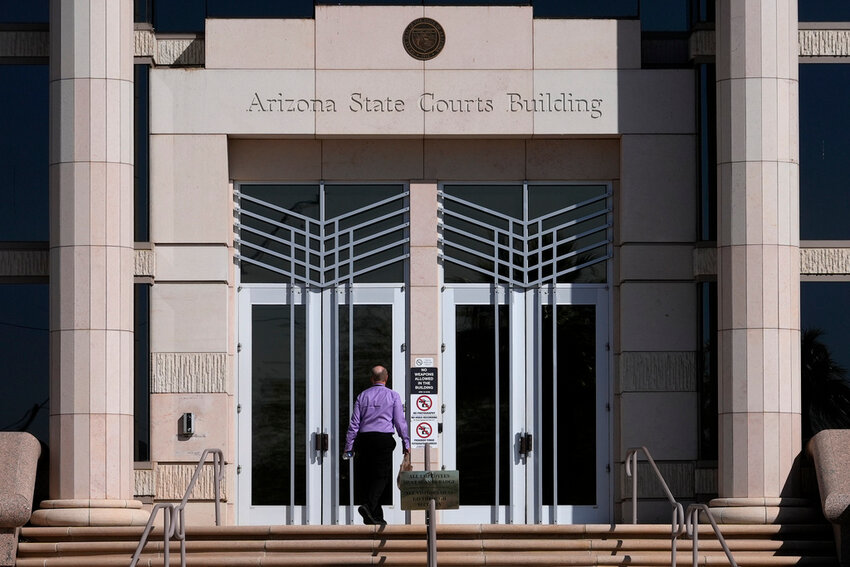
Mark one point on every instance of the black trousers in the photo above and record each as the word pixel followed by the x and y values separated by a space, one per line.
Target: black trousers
pixel 373 464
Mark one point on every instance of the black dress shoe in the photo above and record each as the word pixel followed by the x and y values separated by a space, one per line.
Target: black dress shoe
pixel 367 515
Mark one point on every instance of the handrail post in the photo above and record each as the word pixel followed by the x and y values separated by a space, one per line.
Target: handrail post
pixel 166 534
pixel 174 517
pixel 634 488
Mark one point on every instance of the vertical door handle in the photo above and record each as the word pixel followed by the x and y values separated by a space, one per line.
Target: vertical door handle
pixel 526 443
pixel 322 442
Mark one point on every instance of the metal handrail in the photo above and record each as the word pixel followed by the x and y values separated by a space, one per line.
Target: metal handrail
pixel 692 525
pixel 174 520
pixel 678 520
pixel 683 522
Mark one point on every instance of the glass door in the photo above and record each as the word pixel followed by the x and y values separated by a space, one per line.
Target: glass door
pixel 278 406
pixel 567 405
pixel 526 393
pixel 321 300
pixel 304 356
pixel 369 330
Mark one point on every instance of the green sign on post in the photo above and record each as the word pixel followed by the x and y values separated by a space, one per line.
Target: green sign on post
pixel 418 488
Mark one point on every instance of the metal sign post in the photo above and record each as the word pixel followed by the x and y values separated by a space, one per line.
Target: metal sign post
pixel 431 517
pixel 424 427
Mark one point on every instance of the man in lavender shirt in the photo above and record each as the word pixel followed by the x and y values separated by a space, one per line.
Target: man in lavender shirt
pixel 377 411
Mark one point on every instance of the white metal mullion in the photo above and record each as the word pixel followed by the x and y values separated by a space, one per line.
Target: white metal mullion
pixel 351 391
pixel 519 403
pixel 537 402
pixel 496 380
pixel 554 453
pixel 292 404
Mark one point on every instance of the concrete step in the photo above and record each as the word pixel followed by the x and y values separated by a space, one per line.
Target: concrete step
pixel 457 545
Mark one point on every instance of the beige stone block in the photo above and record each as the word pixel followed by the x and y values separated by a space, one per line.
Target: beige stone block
pixel 424 266
pixel 752 276
pixel 788 375
pixel 666 308
pixel 658 371
pixel 659 262
pixel 98 382
pixel 370 102
pixel 203 514
pixel 235 102
pixel 75 120
pixel 774 358
pixel 375 160
pixel 275 160
pixel 24 43
pixel 179 51
pixel 474 160
pixel 473 103
pixel 424 319
pixel 731 361
pixel 144 482
pixel 97 196
pixel 24 263
pixel 111 206
pixel 576 160
pixel 210 429
pixel 98 116
pixel 192 263
pixel 483 37
pixel 705 261
pixel 678 476
pixel 74 267
pixel 658 195
pixel 586 44
pixel 70 211
pixel 189 372
pixel 819 43
pixel 259 44
pixel 173 479
pixel 423 215
pixel 189 318
pixel 348 37
pixel 755 432
pixel 770 286
pixel 656 101
pixel 734 450
pixel 190 197
pixel 665 422
pixel 788 208
pixel 573 102
pixel 70 353
pixel 70 473
pixel 732 286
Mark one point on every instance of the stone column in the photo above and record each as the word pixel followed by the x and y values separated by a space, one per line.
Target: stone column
pixel 91 265
pixel 424 288
pixel 758 259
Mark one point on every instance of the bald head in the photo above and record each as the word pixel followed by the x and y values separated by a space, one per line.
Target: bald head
pixel 379 375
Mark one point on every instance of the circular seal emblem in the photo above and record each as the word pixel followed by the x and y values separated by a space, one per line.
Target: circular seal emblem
pixel 423 39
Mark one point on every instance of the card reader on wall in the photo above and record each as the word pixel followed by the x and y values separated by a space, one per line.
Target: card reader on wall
pixel 187 424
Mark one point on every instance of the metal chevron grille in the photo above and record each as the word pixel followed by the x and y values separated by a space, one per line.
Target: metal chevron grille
pixel 525 235
pixel 322 235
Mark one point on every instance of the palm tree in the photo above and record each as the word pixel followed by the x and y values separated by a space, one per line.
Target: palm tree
pixel 825 389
